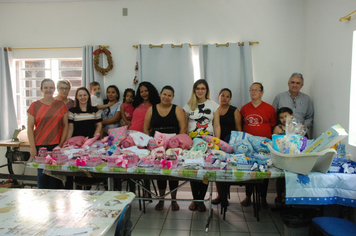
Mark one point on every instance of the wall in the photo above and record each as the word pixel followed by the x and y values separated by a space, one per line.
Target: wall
pixel 277 24
pixel 327 61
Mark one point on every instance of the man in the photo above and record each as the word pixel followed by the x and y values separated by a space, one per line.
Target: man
pixel 299 102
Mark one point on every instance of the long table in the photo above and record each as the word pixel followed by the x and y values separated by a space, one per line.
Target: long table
pixel 60 212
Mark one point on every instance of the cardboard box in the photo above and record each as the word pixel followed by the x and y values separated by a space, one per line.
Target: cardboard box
pixel 328 139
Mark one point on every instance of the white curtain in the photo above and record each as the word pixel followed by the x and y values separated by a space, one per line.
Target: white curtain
pixel 167 66
pixel 227 67
pixel 8 119
pixel 89 74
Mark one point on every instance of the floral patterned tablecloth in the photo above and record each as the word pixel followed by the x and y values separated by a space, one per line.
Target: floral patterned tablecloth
pixel 52 212
pixel 229 175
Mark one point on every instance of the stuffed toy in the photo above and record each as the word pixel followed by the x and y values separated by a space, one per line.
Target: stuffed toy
pixel 183 141
pixel 90 141
pixel 76 142
pixel 119 134
pixel 199 145
pixel 108 140
pixel 220 143
pixel 213 144
pixel 159 140
pixel 258 143
pixel 127 142
pixel 239 142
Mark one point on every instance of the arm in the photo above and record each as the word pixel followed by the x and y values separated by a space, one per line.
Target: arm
pixel 181 120
pixel 277 130
pixel 65 130
pixel 112 120
pixel 70 130
pixel 237 116
pixel 31 134
pixel 186 120
pixel 100 107
pixel 309 115
pixel 147 124
pixel 216 124
pixel 122 109
pixel 98 126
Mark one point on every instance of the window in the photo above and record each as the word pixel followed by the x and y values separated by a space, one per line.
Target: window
pixel 30 73
pixel 352 116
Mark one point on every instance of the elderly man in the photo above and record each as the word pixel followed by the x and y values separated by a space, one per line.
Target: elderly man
pixel 299 102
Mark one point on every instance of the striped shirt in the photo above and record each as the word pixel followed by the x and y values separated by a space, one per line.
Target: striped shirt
pixel 84 122
pixel 48 121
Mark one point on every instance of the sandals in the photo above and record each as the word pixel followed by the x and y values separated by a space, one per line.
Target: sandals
pixel 147 195
pixel 201 207
pixel 159 206
pixel 216 201
pixel 175 206
pixel 246 202
pixel 193 206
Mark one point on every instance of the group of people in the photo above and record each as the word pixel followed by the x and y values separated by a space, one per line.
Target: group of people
pixel 53 120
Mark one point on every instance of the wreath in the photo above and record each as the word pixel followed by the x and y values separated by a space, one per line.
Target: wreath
pixel 96 60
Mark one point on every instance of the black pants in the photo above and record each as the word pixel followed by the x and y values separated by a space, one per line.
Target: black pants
pixel 162 184
pixel 263 189
pixel 198 189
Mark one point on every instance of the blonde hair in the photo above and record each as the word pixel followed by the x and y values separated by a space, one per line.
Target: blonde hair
pixel 66 82
pixel 193 101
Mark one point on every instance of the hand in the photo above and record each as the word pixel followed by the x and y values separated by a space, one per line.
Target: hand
pixel 33 152
pixel 111 103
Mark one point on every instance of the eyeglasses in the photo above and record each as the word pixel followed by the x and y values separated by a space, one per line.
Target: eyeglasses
pixel 201 89
pixel 255 90
pixel 64 89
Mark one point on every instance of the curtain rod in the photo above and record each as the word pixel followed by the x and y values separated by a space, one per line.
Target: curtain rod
pixel 195 45
pixel 10 49
pixel 348 17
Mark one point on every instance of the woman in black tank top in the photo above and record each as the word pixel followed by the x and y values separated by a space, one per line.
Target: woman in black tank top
pixel 230 119
pixel 165 117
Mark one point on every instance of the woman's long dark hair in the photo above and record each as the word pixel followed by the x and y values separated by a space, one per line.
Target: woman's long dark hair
pixel 153 95
pixel 90 108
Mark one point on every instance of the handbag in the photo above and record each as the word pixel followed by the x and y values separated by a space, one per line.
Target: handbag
pixel 17 155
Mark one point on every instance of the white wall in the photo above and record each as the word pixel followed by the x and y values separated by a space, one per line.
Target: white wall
pixel 294 35
pixel 328 61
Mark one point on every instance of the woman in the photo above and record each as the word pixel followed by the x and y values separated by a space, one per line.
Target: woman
pixel 258 119
pixel 203 118
pixel 47 127
pixel 165 117
pixel 63 88
pixel 230 119
pixel 146 96
pixel 112 114
pixel 84 120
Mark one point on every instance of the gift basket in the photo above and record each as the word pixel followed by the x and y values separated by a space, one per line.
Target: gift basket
pixel 295 154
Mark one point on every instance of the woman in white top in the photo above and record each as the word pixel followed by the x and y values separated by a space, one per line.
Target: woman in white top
pixel 203 118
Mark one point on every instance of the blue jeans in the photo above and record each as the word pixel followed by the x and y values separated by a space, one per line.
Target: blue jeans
pixel 45 181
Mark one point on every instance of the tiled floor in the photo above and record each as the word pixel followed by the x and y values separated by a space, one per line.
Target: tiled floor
pixel 239 220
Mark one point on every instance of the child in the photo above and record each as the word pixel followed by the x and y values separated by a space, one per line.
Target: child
pixel 96 101
pixel 282 114
pixel 127 107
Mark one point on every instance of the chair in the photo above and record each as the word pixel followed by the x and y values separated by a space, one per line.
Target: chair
pixel 124 224
pixel 334 226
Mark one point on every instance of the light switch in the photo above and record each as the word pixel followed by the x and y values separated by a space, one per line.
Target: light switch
pixel 124 11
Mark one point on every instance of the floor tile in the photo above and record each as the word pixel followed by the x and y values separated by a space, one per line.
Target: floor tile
pixel 222 233
pixel 200 225
pixel 203 233
pixel 181 214
pixel 170 232
pixel 235 226
pixel 145 232
pixel 177 224
pixel 262 227
pixel 149 223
